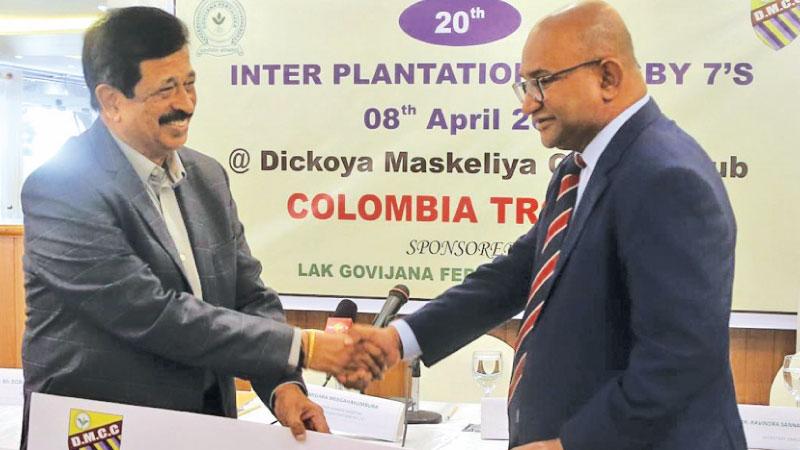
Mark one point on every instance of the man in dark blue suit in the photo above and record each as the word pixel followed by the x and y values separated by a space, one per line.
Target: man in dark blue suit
pixel 624 283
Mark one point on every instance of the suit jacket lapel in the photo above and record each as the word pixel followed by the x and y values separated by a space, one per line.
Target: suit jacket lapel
pixel 601 176
pixel 128 182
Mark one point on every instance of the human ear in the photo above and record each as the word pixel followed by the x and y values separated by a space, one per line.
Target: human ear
pixel 109 99
pixel 611 78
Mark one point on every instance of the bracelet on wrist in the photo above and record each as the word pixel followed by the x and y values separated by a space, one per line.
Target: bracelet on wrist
pixel 312 334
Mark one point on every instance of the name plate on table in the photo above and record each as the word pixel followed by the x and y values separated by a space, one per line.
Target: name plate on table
pixel 72 423
pixel 771 427
pixel 11 387
pixel 359 415
pixel 494 418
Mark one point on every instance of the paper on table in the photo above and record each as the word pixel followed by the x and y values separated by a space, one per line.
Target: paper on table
pixel 11 387
pixel 445 409
pixel 255 411
pixel 246 402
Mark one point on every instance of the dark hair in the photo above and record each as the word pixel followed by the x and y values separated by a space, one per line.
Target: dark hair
pixel 114 46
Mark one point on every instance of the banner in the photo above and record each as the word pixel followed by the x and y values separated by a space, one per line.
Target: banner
pixel 371 143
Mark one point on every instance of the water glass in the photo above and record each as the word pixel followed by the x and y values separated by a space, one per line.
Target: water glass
pixel 486 369
pixel 791 376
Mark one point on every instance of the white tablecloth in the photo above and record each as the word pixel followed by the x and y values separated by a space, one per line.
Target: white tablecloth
pixel 10 427
pixel 449 434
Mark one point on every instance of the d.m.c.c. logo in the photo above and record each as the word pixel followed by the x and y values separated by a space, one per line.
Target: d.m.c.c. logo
pixel 776 23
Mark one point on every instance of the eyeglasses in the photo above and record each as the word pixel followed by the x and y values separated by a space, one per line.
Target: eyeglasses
pixel 535 86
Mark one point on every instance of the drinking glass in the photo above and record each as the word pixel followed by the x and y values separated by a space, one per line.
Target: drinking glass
pixel 486 369
pixel 791 376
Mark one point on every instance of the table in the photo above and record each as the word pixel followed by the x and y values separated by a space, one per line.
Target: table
pixel 445 436
pixel 448 435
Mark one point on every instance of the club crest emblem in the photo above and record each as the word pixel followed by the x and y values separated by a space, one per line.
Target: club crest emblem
pixel 89 430
pixel 776 22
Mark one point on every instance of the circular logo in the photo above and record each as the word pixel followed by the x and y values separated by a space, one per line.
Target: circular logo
pixel 219 25
pixel 82 421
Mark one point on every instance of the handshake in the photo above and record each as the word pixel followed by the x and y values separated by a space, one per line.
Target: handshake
pixel 355 357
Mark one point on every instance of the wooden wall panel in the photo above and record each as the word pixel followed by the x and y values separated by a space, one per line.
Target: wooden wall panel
pixel 738 364
pixel 19 296
pixel 8 316
pixel 756 355
pixel 12 311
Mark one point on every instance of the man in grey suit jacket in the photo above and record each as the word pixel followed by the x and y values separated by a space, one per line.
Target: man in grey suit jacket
pixel 625 281
pixel 141 288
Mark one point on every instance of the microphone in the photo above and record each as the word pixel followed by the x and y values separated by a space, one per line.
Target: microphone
pixel 343 318
pixel 341 321
pixel 398 296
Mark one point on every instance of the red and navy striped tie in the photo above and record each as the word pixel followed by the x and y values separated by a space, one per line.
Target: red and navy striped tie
pixel 547 257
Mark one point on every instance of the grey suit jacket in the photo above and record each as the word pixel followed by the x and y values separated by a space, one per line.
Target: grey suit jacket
pixel 111 315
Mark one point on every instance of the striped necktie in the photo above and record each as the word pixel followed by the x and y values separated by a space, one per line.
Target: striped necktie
pixel 547 257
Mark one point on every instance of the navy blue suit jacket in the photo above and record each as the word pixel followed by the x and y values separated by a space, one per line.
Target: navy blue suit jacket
pixel 631 348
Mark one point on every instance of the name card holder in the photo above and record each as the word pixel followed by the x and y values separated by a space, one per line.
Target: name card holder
pixel 494 418
pixel 11 387
pixel 359 415
pixel 771 427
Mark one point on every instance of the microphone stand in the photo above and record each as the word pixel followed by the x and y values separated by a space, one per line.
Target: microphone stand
pixel 416 415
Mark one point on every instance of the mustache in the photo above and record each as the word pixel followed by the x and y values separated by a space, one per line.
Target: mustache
pixel 173 116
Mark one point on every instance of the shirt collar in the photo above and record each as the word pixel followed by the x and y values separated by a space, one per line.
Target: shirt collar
pixel 148 170
pixel 591 154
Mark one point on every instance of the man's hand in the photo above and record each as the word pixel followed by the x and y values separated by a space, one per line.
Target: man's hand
pixel 377 349
pixel 328 352
pixel 355 358
pixel 379 341
pixel 294 410
pixel 553 444
pixel 342 356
